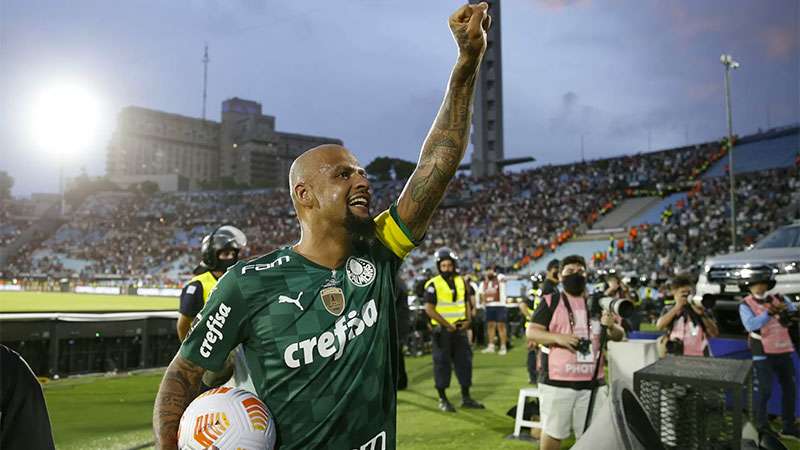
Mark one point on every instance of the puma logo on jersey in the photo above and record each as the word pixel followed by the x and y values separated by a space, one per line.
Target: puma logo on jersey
pixel 346 328
pixel 214 324
pixel 259 267
pixel 294 301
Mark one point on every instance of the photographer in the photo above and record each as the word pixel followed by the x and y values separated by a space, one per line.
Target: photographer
pixel 766 319
pixel 688 326
pixel 571 365
pixel 617 289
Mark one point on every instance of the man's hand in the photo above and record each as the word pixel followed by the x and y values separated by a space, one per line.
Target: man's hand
pixel 447 139
pixel 568 341
pixel 607 319
pixel 776 309
pixel 469 25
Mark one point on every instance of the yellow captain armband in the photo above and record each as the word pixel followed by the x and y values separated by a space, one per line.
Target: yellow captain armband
pixel 393 233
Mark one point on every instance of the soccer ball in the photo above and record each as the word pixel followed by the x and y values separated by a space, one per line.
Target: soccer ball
pixel 227 419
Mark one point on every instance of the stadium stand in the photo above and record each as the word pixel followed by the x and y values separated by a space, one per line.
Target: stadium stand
pixel 509 220
pixel 761 152
pixel 697 225
pixel 512 220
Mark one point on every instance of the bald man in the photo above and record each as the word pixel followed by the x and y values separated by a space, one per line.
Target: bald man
pixel 316 319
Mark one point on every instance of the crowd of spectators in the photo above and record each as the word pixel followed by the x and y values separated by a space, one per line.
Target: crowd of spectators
pixel 699 225
pixel 508 219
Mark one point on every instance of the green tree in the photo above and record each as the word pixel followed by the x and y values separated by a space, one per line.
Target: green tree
pixel 83 186
pixel 383 168
pixel 148 188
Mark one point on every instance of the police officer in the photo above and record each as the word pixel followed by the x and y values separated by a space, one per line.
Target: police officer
pixel 772 348
pixel 526 308
pixel 550 284
pixel 219 250
pixel 447 304
pixel 688 326
pixel 548 287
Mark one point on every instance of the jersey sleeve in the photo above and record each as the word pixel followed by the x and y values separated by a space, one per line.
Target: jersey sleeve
pixel 221 327
pixel 191 299
pixel 393 233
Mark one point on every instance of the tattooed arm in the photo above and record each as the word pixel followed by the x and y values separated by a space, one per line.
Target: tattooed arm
pixel 447 139
pixel 180 385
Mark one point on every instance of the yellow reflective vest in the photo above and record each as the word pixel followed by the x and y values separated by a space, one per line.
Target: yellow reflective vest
pixel 208 282
pixel 452 309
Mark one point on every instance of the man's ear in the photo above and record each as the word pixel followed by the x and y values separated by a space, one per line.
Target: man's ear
pixel 303 194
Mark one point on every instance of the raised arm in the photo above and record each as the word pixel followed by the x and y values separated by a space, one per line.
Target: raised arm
pixel 447 139
pixel 180 385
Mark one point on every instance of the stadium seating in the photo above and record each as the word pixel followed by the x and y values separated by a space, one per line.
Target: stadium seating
pixel 752 156
pixel 698 224
pixel 514 220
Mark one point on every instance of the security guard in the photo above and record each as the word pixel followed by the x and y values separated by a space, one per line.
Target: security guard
pixel 447 300
pixel 219 250
pixel 526 308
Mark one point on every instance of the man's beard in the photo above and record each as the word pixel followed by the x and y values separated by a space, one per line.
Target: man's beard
pixel 360 228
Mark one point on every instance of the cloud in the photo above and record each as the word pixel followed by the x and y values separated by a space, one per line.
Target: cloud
pixel 559 5
pixel 781 42
pixel 690 24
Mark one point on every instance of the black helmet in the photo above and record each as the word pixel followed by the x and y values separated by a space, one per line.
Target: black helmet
pixel 445 253
pixel 756 277
pixel 226 237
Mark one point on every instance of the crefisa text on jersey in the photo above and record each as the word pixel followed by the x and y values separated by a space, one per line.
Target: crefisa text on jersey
pixel 346 328
pixel 214 324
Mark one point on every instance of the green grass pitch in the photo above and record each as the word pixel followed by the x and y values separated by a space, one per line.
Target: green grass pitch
pixel 115 412
pixel 18 302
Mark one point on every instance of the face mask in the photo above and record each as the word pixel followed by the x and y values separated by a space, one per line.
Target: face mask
pixel 448 274
pixel 574 284
pixel 760 296
pixel 224 264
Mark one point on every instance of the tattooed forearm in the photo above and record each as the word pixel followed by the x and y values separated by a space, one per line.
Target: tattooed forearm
pixel 442 151
pixel 180 385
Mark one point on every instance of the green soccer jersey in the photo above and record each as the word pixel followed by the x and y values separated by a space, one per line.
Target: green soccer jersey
pixel 320 343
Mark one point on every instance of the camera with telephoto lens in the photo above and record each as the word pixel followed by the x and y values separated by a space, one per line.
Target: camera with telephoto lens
pixel 675 347
pixel 619 306
pixel 707 301
pixel 583 346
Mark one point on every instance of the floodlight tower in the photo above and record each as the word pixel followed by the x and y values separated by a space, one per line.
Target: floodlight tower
pixel 729 63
